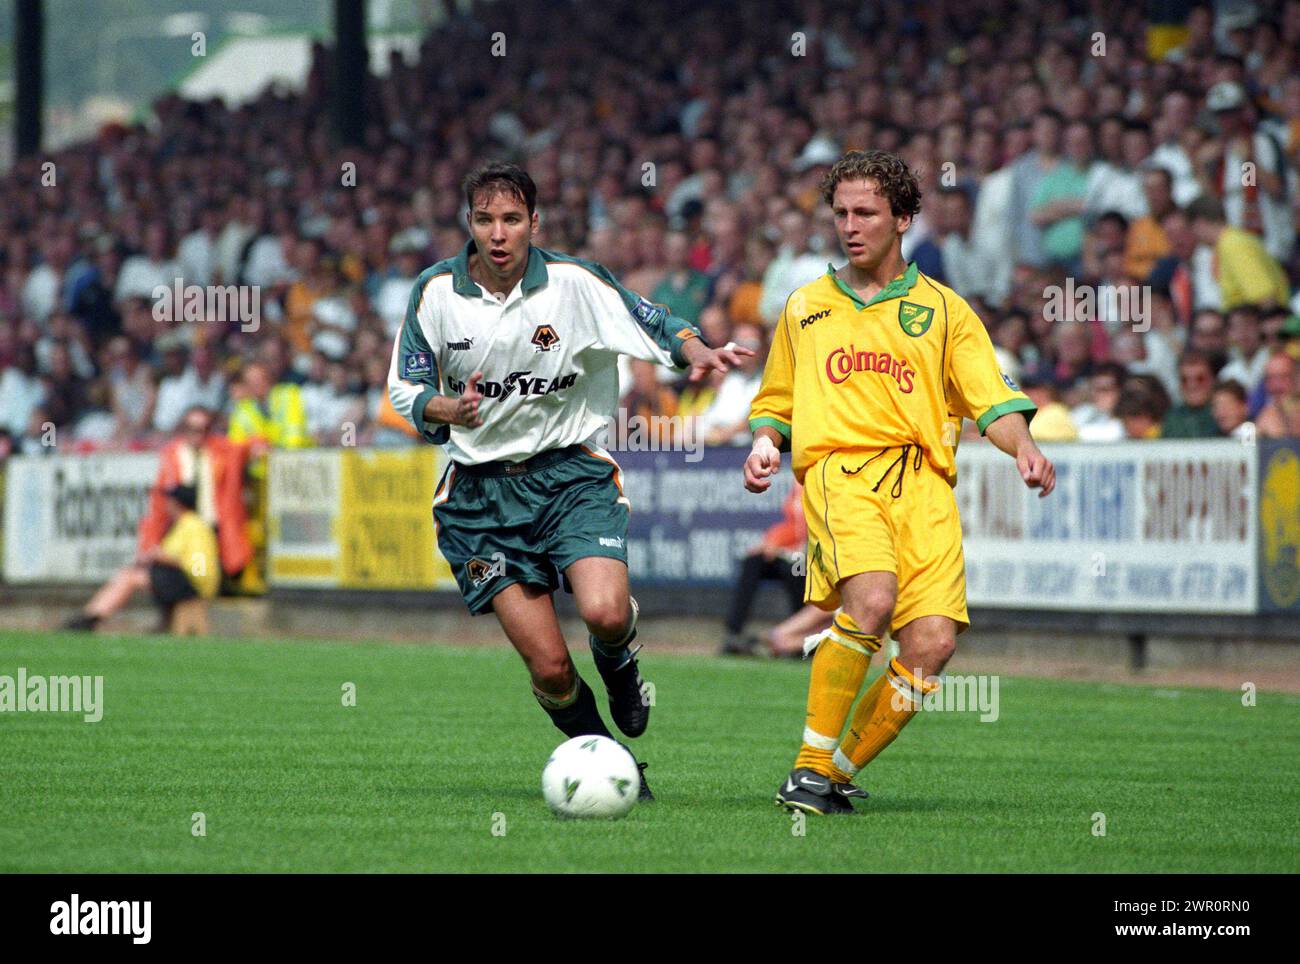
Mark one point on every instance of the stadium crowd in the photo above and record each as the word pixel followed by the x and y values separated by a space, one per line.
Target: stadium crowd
pixel 1066 151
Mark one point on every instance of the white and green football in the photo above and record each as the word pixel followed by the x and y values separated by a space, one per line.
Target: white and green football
pixel 591 776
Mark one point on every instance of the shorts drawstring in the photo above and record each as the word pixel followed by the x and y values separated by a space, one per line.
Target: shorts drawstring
pixel 896 490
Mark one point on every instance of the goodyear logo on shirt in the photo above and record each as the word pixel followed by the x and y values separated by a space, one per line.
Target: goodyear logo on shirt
pixel 417 364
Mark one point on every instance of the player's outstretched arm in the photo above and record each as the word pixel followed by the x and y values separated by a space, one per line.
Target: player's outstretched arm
pixel 764 459
pixel 704 359
pixel 1010 433
pixel 457 410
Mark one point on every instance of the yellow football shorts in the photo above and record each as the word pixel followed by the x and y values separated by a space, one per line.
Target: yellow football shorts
pixel 885 511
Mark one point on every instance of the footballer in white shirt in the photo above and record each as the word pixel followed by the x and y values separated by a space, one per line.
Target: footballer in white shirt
pixel 508 357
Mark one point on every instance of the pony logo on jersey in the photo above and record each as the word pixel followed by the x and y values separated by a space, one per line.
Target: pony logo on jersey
pixel 840 364
pixel 914 319
pixel 545 338
pixel 417 364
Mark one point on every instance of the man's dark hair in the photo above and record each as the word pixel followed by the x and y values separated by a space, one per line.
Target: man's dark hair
pixel 1113 216
pixel 498 177
pixel 897 182
pixel 1206 208
pixel 1134 401
pixel 1193 357
pixel 1233 388
pixel 1114 369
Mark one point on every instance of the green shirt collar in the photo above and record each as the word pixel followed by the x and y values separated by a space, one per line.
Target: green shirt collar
pixel 463 284
pixel 900 286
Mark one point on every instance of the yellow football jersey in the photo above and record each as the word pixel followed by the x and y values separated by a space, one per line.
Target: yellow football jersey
pixel 845 374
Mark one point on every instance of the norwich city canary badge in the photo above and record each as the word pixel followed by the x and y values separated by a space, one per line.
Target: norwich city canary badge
pixel 914 319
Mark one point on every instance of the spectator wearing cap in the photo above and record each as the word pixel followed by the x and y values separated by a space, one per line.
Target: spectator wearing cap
pixel 1193 416
pixel 213 467
pixel 1244 270
pixel 1231 412
pixel 1257 204
pixel 182 566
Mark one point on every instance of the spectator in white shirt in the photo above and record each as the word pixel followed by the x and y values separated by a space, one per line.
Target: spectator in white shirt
pixel 795 264
pixel 1177 113
pixel 968 271
pixel 43 292
pixel 726 421
pixel 21 392
pixel 1259 204
pixel 63 330
pixel 395 294
pixel 198 383
pixel 1118 187
pixel 1095 418
pixel 197 254
pixel 991 225
pixel 1247 354
pixel 142 273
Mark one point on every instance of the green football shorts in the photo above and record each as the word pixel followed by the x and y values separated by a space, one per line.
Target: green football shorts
pixel 502 523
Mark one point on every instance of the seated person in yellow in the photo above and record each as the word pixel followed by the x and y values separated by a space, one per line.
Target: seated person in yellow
pixel 185 565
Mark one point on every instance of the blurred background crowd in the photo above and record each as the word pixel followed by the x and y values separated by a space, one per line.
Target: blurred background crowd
pixel 1061 147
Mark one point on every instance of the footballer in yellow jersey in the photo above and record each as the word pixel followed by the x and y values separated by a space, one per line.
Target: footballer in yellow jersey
pixel 871 371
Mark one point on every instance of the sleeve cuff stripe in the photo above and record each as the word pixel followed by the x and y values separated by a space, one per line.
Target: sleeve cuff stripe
pixel 776 423
pixel 1006 408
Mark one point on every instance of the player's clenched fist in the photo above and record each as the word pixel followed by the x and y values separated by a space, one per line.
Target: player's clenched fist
pixel 761 465
pixel 1035 468
pixel 466 412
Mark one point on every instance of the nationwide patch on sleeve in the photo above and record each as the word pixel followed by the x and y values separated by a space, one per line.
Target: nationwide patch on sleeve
pixel 417 364
pixel 646 313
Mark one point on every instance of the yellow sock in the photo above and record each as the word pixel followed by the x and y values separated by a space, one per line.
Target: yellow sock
pixel 839 667
pixel 839 762
pixel 881 715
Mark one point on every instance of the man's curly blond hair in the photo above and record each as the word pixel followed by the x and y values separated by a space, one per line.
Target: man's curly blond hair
pixel 897 182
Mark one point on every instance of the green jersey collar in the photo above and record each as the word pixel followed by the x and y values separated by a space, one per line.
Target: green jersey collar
pixel 900 286
pixel 463 284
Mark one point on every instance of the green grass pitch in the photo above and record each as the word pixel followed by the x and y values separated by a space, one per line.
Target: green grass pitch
pixel 253 735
